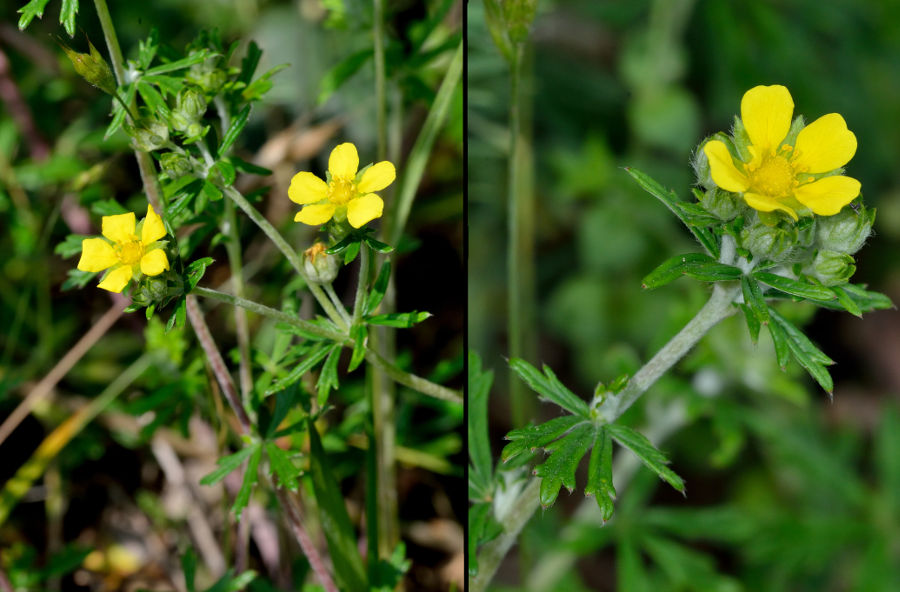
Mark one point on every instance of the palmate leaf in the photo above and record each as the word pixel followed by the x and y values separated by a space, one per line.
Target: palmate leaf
pixel 549 387
pixel 649 454
pixel 787 337
pixel 600 483
pixel 532 437
pixel 696 265
pixel 794 287
pixel 565 454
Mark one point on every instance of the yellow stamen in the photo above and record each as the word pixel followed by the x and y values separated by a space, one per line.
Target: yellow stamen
pixel 340 190
pixel 130 253
pixel 774 177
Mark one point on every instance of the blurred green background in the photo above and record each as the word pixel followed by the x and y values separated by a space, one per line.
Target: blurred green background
pixel 106 488
pixel 786 490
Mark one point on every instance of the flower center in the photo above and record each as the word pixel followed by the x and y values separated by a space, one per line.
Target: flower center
pixel 131 252
pixel 340 190
pixel 774 177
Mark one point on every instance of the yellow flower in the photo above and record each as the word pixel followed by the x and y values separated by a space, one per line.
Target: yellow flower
pixel 347 195
pixel 124 254
pixel 779 176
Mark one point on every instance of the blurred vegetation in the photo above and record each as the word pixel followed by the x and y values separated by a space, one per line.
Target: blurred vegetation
pixel 120 506
pixel 785 491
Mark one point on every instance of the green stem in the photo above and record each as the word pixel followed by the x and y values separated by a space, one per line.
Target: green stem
pixel 380 76
pixel 235 261
pixel 292 256
pixel 520 249
pixel 718 307
pixel 329 289
pixel 145 162
pixel 414 382
pixel 421 150
pixel 365 265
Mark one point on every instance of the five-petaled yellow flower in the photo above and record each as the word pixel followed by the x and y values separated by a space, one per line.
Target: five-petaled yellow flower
pixel 347 195
pixel 779 176
pixel 125 254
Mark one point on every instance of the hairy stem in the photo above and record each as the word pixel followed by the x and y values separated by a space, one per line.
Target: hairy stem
pixel 380 99
pixel 291 255
pixel 424 386
pixel 362 284
pixel 718 307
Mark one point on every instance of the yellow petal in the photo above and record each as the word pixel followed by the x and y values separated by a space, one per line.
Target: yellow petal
pixel 377 177
pixel 119 228
pixel 153 228
pixel 827 196
pixel 315 215
pixel 824 145
pixel 722 169
pixel 764 203
pixel 363 209
pixel 117 279
pixel 154 262
pixel 96 255
pixel 344 161
pixel 307 188
pixel 766 112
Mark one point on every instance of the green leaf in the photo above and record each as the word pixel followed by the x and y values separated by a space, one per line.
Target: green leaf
pixel 211 192
pixel 378 288
pixel 249 63
pixel 868 301
pixel 308 363
pixel 237 126
pixel 177 319
pixel 780 341
pixel 328 378
pixel 194 58
pixel 250 477
pixel 248 167
pixel 796 335
pixel 153 99
pixel 753 296
pixel 672 269
pixel 342 72
pixel 696 215
pixel 753 325
pixel 189 567
pixel 280 464
pixel 655 460
pixel 548 386
pixel 600 483
pixel 351 252
pixel 147 50
pixel 565 454
pixel 794 287
pixel 342 244
pixel 228 464
pixel 479 515
pixel 379 246
pixel 195 270
pixel 256 89
pixel 477 392
pixel 35 8
pixel 70 246
pixel 532 437
pixel 846 301
pixel 712 271
pixel 108 207
pixel 334 520
pixel 671 201
pixel 67 16
pixel 402 320
pixel 358 333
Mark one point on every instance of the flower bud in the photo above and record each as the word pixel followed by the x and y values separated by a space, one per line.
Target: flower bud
pixel 93 68
pixel 700 162
pixel 519 15
pixel 320 267
pixel 846 231
pixel 175 165
pixel 722 204
pixel 206 76
pixel 192 104
pixel 775 243
pixel 831 267
pixel 151 135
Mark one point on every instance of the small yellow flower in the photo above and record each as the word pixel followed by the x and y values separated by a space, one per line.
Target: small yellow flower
pixel 124 254
pixel 779 176
pixel 347 196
